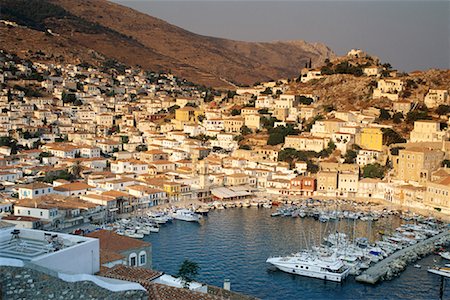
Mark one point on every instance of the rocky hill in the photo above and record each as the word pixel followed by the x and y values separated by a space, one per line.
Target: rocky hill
pixel 93 30
pixel 349 92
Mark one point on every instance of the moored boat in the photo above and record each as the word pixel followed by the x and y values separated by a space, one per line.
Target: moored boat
pixel 445 255
pixel 311 265
pixel 186 215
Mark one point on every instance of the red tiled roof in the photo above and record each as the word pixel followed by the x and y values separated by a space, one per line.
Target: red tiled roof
pixel 111 241
pixel 155 291
pixel 131 273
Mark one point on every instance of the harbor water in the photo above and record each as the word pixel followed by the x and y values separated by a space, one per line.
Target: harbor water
pixel 235 243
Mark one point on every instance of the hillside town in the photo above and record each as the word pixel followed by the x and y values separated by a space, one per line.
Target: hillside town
pixel 81 144
pixel 194 150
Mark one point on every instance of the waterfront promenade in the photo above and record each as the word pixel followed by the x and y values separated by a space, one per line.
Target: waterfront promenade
pixel 376 272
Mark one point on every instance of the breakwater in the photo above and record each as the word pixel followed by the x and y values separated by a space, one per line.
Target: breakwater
pixel 393 265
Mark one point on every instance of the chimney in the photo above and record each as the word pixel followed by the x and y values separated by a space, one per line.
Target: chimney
pixel 226 284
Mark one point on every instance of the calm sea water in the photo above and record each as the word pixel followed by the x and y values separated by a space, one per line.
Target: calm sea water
pixel 235 243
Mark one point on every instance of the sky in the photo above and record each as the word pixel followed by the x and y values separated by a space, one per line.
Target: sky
pixel 411 35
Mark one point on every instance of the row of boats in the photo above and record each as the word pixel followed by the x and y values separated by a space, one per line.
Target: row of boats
pixel 339 256
pixel 139 226
pixel 324 214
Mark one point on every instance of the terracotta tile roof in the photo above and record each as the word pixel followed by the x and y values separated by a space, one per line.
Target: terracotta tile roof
pixel 155 291
pixel 109 256
pixel 165 292
pixel 143 188
pixel 111 241
pixel 445 181
pixel 74 186
pixel 35 185
pixel 56 201
pixel 136 274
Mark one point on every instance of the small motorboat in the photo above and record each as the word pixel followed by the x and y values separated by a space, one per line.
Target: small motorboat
pixel 417 266
pixel 276 214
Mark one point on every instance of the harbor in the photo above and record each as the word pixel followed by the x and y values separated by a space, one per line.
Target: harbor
pixel 235 243
pixel 341 240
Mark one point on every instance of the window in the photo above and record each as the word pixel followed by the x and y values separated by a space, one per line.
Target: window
pixel 142 258
pixel 132 260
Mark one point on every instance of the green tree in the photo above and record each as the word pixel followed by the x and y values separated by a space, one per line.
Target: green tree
pixel 238 138
pixel 384 114
pixel 267 91
pixel 443 110
pixel 268 123
pixel 391 136
pixel 173 108
pixel 75 169
pixel 350 157
pixel 141 148
pixel 278 134
pixel 446 163
pixel 9 142
pixel 329 108
pixel 397 117
pixel 68 97
pixel 373 171
pixel 309 125
pixel 235 112
pixel 200 118
pixel 420 113
pixel 124 139
pixel 396 150
pixel 312 167
pixel 245 130
pixel 187 272
pixel 305 100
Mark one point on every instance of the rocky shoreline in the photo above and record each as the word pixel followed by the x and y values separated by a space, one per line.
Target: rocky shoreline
pixel 392 266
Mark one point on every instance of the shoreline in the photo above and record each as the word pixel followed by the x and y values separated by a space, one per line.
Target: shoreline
pixel 370 204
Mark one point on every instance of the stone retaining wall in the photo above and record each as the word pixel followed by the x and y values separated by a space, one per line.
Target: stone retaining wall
pixel 25 283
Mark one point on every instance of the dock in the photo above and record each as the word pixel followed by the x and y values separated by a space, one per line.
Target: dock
pixel 378 271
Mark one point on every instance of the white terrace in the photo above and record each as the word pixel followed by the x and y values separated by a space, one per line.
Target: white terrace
pixel 57 251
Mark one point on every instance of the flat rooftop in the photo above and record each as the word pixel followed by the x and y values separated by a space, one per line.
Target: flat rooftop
pixel 30 244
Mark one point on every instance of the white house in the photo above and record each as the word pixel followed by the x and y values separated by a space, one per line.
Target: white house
pixel 34 190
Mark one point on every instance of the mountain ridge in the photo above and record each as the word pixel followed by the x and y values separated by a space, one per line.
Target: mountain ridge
pixel 134 38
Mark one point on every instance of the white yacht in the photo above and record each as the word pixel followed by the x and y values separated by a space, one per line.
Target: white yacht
pixel 308 264
pixel 186 215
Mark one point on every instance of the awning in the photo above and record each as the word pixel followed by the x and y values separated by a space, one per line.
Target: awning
pixel 226 193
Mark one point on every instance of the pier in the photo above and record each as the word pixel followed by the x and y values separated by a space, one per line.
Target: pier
pixel 389 266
